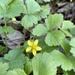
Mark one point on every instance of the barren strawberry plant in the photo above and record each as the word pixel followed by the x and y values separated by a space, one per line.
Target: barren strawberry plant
pixel 36 38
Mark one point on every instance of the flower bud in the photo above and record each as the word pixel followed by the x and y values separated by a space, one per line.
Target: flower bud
pixel 14 20
pixel 70 0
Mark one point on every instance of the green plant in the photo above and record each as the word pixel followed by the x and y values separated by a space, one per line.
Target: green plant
pixel 50 30
pixel 9 10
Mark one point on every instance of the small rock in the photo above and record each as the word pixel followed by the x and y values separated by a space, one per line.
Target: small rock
pixel 14 40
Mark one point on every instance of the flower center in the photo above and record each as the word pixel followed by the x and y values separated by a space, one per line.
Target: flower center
pixel 33 46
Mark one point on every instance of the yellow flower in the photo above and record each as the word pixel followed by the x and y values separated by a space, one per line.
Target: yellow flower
pixel 70 0
pixel 14 20
pixel 33 46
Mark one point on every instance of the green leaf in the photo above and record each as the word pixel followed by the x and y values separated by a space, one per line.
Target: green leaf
pixel 44 46
pixel 72 42
pixel 3 68
pixel 32 6
pixel 39 30
pixel 2 59
pixel 43 64
pixel 73 62
pixel 5 2
pixel 16 72
pixel 33 15
pixel 44 12
pixel 62 60
pixel 28 20
pixel 25 45
pixel 25 10
pixel 2 9
pixel 28 66
pixel 1 16
pixel 8 29
pixel 72 31
pixel 67 25
pixel 15 7
pixel 73 51
pixel 8 8
pixel 54 38
pixel 53 20
pixel 66 46
pixel 15 58
pixel 12 54
pixel 67 33
pixel 1 30
pixel 18 62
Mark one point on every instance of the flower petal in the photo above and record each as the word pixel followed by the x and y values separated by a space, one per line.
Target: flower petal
pixel 29 43
pixel 38 48
pixel 34 52
pixel 28 49
pixel 36 42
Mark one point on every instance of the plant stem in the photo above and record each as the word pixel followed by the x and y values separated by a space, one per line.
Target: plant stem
pixel 5 34
pixel 6 41
pixel 5 22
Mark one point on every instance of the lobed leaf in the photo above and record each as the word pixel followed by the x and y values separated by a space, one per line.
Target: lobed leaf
pixel 62 60
pixel 11 8
pixel 5 2
pixel 15 8
pixel 43 13
pixel 43 64
pixel 16 72
pixel 2 9
pixel 66 46
pixel 73 51
pixel 8 29
pixel 3 68
pixel 18 62
pixel 54 38
pixel 32 6
pixel 15 58
pixel 72 42
pixel 72 58
pixel 28 66
pixel 72 31
pixel 67 25
pixel 53 20
pixel 39 30
pixel 44 46
pixel 28 20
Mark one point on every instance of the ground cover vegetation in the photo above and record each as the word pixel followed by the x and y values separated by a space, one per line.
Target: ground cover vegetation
pixel 37 37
